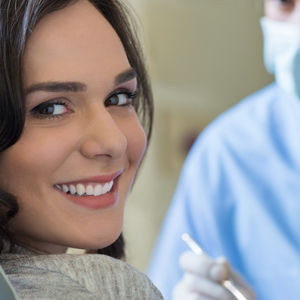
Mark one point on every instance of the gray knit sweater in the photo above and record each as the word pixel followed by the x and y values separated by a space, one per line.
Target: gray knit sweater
pixel 71 276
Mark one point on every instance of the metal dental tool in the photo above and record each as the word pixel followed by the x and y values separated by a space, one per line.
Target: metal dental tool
pixel 198 250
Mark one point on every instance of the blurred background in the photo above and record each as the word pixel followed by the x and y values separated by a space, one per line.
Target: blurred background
pixel 204 56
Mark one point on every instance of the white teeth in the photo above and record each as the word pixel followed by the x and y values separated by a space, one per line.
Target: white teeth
pixel 65 188
pixel 89 190
pixel 72 189
pixel 110 185
pixel 105 188
pixel 80 189
pixel 58 186
pixel 98 190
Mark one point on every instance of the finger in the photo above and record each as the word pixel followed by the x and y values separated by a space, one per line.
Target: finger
pixel 222 265
pixel 197 264
pixel 201 297
pixel 220 270
pixel 234 276
pixel 205 287
pixel 181 293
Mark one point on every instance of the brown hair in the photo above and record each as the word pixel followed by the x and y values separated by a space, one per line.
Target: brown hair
pixel 17 20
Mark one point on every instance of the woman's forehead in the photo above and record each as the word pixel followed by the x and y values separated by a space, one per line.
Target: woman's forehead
pixel 64 18
pixel 73 41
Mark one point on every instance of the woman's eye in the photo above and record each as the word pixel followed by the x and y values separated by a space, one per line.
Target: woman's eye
pixel 47 109
pixel 118 99
pixel 53 109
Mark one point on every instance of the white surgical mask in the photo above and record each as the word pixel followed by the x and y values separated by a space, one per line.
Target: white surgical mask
pixel 282 53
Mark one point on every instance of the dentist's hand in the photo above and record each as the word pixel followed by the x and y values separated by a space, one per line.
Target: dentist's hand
pixel 203 276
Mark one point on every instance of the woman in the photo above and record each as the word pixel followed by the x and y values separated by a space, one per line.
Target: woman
pixel 72 85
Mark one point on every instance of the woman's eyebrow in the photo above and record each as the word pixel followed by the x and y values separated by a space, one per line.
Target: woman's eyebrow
pixel 125 76
pixel 56 86
pixel 75 87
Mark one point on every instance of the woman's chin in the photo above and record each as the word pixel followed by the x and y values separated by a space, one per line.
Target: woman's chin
pixel 96 243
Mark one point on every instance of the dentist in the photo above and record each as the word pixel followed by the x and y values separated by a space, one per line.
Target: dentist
pixel 238 193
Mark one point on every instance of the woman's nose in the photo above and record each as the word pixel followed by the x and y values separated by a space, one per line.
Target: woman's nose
pixel 102 137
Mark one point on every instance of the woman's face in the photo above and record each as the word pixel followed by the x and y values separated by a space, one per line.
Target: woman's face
pixel 283 10
pixel 81 135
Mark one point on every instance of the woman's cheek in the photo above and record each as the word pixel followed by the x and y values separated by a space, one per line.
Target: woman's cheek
pixel 43 150
pixel 136 142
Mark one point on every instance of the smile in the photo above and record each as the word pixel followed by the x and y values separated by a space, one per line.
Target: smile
pixel 96 192
pixel 83 189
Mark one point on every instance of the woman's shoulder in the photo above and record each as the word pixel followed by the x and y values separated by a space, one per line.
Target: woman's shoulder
pixel 92 275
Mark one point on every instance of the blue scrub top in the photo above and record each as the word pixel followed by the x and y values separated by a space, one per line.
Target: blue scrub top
pixel 238 196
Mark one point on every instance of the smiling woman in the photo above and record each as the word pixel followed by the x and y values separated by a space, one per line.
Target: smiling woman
pixel 74 92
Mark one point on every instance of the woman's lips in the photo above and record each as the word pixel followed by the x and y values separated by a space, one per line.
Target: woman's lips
pixel 94 192
pixel 96 179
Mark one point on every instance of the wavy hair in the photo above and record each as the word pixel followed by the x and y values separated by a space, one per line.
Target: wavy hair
pixel 17 21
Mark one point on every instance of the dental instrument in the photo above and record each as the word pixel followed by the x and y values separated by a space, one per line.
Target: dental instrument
pixel 193 245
